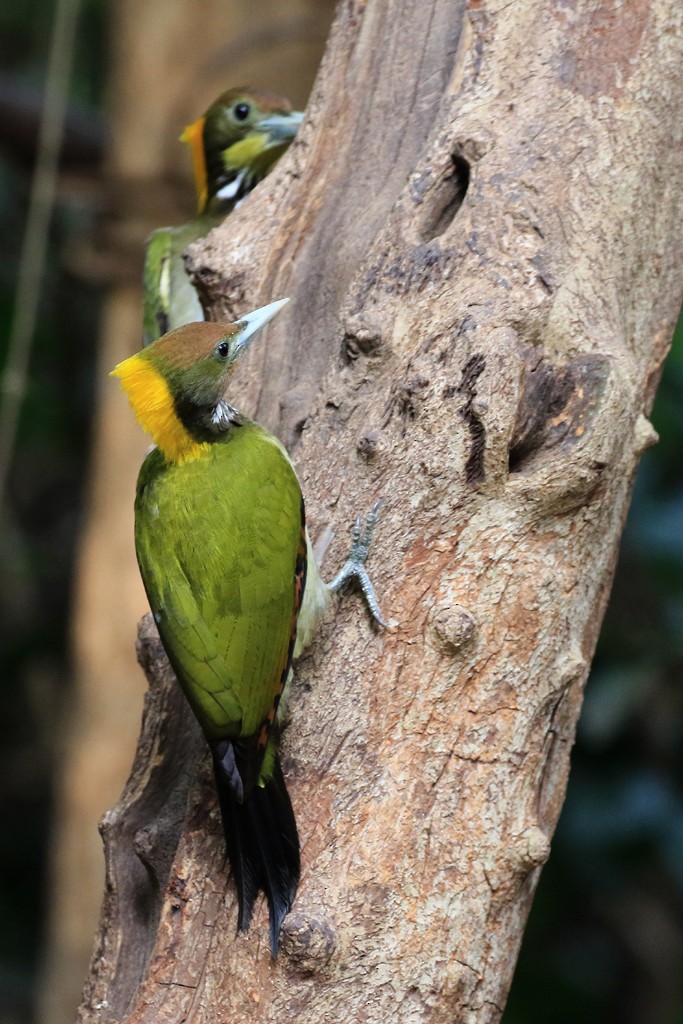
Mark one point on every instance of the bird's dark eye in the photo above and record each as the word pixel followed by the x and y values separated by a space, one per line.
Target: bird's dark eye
pixel 223 349
pixel 241 111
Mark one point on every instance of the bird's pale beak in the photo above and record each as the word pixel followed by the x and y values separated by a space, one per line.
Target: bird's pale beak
pixel 281 127
pixel 254 322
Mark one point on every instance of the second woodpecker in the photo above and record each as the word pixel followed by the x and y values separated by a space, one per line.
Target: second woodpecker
pixel 234 145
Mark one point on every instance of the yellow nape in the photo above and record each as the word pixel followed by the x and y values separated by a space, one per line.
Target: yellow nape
pixel 152 403
pixel 193 136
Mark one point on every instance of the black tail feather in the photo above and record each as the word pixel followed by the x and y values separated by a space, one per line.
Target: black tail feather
pixel 263 847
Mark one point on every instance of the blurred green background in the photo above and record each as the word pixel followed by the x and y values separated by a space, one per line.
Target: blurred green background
pixel 605 938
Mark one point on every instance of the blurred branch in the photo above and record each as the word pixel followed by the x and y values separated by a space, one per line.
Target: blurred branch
pixel 13 387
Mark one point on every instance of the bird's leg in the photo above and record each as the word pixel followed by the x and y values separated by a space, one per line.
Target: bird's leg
pixel 354 566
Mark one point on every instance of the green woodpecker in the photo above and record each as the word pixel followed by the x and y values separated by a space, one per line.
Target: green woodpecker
pixel 234 145
pixel 232 582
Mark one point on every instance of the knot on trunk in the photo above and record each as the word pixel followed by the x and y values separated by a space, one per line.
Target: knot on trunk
pixel 307 943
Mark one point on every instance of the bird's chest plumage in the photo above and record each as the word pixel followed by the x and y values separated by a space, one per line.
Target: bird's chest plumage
pixel 217 540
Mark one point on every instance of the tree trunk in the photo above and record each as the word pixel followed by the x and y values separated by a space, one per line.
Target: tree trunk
pixel 477 228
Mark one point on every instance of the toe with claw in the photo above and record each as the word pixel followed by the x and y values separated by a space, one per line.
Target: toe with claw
pixel 354 566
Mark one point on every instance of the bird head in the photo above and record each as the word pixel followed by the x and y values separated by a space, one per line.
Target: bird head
pixel 237 140
pixel 176 385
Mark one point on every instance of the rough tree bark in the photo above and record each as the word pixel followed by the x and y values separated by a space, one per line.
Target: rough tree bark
pixel 477 228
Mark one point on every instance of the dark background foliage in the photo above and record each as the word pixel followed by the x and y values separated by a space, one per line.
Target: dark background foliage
pixel 605 939
pixel 44 501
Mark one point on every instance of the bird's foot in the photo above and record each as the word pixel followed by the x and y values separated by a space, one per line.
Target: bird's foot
pixel 354 566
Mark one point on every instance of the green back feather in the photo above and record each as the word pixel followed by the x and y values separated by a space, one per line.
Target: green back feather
pixel 217 541
pixel 170 298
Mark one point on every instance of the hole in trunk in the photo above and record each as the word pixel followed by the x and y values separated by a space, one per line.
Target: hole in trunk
pixel 448 197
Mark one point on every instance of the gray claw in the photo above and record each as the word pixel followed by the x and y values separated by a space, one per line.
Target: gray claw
pixel 354 566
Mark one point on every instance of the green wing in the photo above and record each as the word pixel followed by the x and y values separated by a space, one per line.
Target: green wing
pixel 217 540
pixel 170 298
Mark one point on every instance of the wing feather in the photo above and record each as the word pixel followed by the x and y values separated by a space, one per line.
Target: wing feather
pixel 219 546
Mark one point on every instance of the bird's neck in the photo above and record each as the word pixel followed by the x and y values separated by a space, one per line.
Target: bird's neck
pixel 232 173
pixel 207 424
pixel 182 431
pixel 227 186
